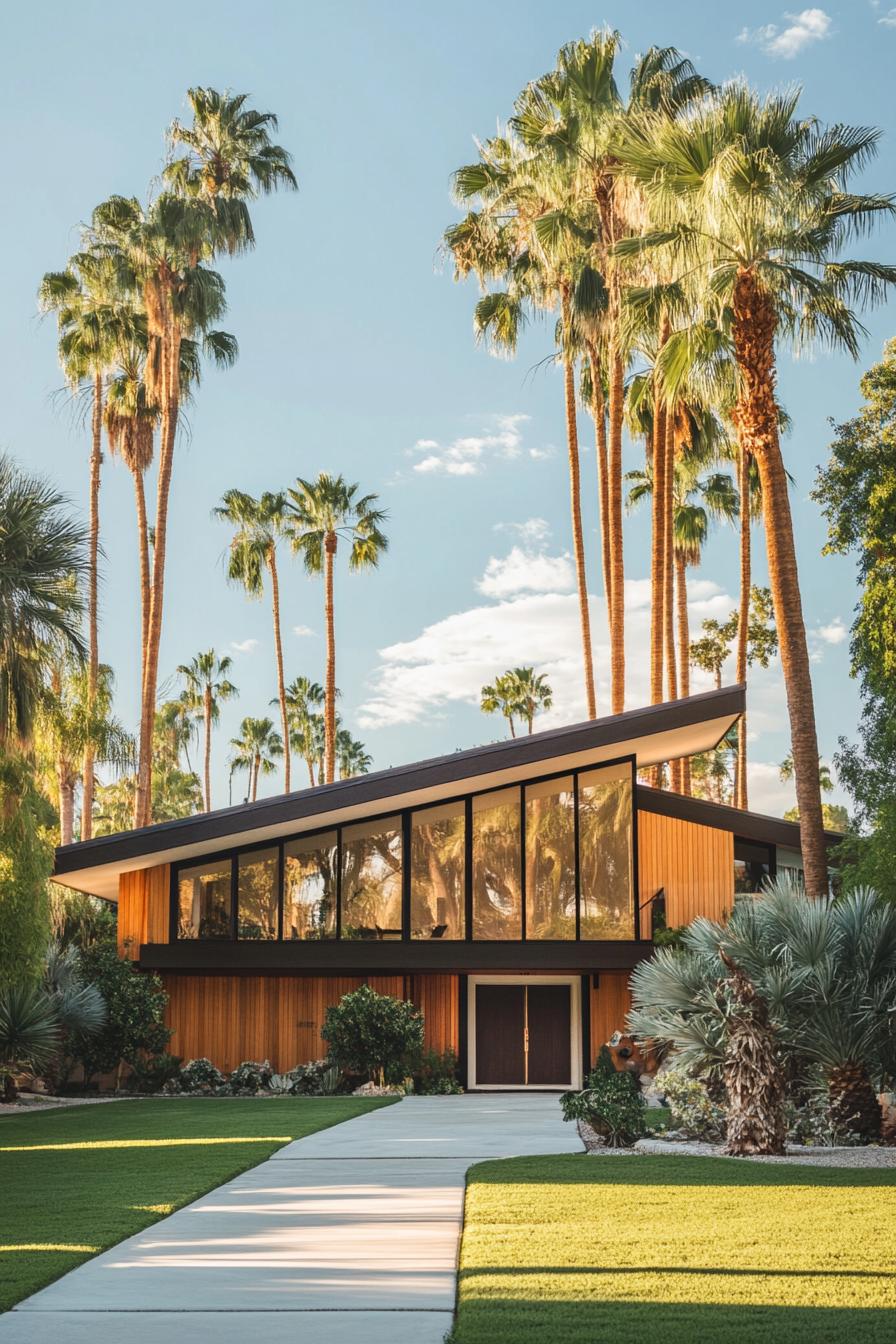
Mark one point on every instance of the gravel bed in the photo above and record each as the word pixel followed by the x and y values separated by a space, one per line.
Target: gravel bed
pixel 796 1156
pixel 34 1101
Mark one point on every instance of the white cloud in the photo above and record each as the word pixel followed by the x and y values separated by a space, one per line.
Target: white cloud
pixel 889 19
pixel 244 645
pixel 530 532
pixel 469 454
pixel 766 792
pixel 540 454
pixel 525 571
pixel 804 28
pixel 303 631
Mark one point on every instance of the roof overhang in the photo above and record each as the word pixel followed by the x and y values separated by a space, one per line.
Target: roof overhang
pixel 656 733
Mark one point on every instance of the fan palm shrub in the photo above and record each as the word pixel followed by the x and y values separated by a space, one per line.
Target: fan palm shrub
pixel 825 970
pixel 29 1033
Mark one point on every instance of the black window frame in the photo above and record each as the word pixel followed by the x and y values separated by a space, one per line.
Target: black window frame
pixel 404 815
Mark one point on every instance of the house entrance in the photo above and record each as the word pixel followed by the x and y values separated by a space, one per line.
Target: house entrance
pixel 522 1033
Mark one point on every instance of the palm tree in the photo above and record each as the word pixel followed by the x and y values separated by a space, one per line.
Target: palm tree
pixel 253 550
pixel 207 685
pixel 500 698
pixel 770 261
pixel 69 720
pixel 317 514
pixel 304 699
pixel 351 755
pixel 256 750
pixel 531 692
pixel 44 552
pixel 825 779
pixel 93 316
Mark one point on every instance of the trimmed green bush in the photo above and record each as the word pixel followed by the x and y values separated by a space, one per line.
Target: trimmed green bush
pixel 610 1103
pixel 373 1035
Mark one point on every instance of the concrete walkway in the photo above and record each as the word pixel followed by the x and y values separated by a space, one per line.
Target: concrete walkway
pixel 349 1234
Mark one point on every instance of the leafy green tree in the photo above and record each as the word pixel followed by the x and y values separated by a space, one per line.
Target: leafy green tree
pixel 26 862
pixel 135 1013
pixel 256 750
pixel 857 493
pixel 175 792
pixel 318 514
pixel 373 1035
pixel 206 686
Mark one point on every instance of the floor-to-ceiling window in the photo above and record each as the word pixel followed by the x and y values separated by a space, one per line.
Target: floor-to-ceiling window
pixel 310 866
pixel 606 883
pixel 438 872
pixel 551 859
pixel 203 898
pixel 371 879
pixel 497 884
pixel 257 893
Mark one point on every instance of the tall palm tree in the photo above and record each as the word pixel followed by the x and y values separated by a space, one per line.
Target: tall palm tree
pixel 256 750
pixel 258 523
pixel 531 692
pixel 206 686
pixel 317 514
pixel 304 699
pixel 352 756
pixel 93 316
pixel 499 697
pixel 753 199
pixel 44 554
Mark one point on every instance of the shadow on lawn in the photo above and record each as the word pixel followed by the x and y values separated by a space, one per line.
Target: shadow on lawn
pixel 587 1322
pixel 649 1170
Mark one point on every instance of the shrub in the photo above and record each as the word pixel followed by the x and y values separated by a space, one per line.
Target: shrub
pixel 373 1035
pixel 319 1078
pixel 610 1103
pixel 200 1075
pixel 250 1078
pixel 135 1021
pixel 29 1033
pixel 154 1073
pixel 435 1074
pixel 693 1110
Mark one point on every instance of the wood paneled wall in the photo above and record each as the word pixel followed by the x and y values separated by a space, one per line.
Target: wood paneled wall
pixel 144 909
pixel 693 863
pixel 609 1004
pixel 229 1018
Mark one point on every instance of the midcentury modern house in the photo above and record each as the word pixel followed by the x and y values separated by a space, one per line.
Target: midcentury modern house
pixel 507 890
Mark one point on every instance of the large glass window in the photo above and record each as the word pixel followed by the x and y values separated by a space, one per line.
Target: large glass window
pixel 256 894
pixel 753 866
pixel 438 860
pixel 203 897
pixel 605 853
pixel 551 859
pixel 497 907
pixel 309 887
pixel 371 880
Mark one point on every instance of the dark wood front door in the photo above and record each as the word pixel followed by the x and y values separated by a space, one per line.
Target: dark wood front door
pixel 523 1035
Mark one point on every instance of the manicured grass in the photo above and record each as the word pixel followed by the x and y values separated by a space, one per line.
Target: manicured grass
pixel 78 1180
pixel 618 1250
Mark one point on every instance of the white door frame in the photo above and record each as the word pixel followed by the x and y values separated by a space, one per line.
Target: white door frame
pixel 575 1030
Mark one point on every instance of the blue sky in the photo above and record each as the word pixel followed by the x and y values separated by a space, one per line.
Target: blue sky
pixel 357 353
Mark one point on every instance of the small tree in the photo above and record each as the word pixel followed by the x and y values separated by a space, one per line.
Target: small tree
pixel 610 1103
pixel 373 1035
pixel 135 1022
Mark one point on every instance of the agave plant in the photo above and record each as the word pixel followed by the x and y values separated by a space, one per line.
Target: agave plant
pixel 825 969
pixel 29 1033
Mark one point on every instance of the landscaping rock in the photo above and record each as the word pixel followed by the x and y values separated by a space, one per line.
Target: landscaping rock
pixel 374 1090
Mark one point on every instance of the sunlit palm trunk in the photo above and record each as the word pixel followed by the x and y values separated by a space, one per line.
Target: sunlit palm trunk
pixel 170 412
pixel 143 554
pixel 330 682
pixel 757 420
pixel 256 766
pixel 669 580
pixel 614 513
pixel 684 647
pixel 278 650
pixel 575 497
pixel 96 458
pixel 207 771
pixel 743 625
pixel 66 806
pixel 603 477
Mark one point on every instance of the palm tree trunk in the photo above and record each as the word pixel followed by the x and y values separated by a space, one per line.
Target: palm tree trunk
pixel 603 478
pixel 512 728
pixel 256 763
pixel 278 651
pixel 575 497
pixel 743 626
pixel 614 512
pixel 330 683
pixel 669 581
pixel 66 806
pixel 96 458
pixel 657 550
pixel 143 554
pixel 757 422
pixel 170 411
pixel 684 647
pixel 207 772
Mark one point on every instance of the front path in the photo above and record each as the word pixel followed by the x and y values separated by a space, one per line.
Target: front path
pixel 351 1233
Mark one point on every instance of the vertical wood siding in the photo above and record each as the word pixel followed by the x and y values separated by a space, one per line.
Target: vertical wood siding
pixel 609 1004
pixel 693 863
pixel 230 1018
pixel 143 908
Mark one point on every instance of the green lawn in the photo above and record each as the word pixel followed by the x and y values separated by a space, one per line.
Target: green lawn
pixel 77 1180
pixel 684 1250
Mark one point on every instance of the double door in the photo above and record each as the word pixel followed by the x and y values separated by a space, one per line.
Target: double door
pixel 523 1035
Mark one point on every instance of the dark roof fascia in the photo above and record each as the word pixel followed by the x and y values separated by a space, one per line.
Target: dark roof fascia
pixel 307 804
pixel 746 825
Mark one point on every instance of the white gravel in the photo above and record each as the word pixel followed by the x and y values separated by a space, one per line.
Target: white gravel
pixel 884 1158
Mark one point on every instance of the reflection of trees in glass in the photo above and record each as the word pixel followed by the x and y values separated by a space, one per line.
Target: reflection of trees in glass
pixel 371 880
pixel 437 872
pixel 204 901
pixel 257 894
pixel 605 853
pixel 496 866
pixel 550 860
pixel 309 887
